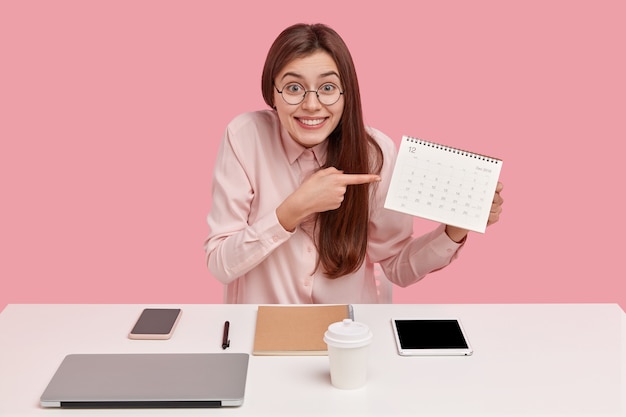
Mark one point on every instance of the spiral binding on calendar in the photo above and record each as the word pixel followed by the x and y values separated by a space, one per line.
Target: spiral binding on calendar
pixel 452 150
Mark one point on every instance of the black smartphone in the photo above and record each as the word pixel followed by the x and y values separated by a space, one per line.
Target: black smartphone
pixel 156 323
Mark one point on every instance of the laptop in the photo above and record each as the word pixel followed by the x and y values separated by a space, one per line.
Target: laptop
pixel 148 380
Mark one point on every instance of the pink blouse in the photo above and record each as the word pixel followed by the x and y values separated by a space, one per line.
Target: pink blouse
pixel 257 167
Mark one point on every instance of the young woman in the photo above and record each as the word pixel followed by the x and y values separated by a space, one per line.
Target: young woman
pixel 298 190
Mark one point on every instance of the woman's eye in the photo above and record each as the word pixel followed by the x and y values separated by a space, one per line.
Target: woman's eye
pixel 294 88
pixel 328 88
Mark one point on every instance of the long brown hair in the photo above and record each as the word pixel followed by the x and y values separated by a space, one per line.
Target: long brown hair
pixel 341 233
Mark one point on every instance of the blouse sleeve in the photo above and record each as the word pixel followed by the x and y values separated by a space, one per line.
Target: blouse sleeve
pixel 233 246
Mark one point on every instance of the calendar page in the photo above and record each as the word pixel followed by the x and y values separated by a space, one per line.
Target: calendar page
pixel 443 184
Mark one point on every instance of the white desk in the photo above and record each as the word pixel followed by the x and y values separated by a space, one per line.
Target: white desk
pixel 529 360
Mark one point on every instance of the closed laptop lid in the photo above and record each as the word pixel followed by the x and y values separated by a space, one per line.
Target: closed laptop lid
pixel 148 380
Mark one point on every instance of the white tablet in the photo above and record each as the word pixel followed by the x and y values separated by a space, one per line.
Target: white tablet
pixel 430 336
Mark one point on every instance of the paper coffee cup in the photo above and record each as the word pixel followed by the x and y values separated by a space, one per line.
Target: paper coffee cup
pixel 348 345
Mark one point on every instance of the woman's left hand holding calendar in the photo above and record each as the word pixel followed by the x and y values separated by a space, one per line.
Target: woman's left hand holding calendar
pixel 458 235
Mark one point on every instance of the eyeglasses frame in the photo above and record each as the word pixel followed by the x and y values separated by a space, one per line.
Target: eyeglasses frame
pixel 309 91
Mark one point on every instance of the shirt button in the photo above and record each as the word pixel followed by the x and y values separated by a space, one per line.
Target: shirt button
pixel 275 238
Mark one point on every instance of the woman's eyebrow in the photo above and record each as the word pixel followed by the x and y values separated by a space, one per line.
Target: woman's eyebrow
pixel 328 74
pixel 291 74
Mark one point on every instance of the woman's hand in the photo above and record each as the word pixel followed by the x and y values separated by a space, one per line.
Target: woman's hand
pixel 322 191
pixel 496 205
pixel 457 234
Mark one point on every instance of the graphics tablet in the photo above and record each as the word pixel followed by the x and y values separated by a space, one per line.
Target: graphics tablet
pixel 430 337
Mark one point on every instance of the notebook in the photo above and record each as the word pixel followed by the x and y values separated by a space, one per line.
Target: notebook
pixel 443 184
pixel 148 380
pixel 296 329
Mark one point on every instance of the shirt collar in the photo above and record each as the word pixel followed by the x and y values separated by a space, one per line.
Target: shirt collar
pixel 293 149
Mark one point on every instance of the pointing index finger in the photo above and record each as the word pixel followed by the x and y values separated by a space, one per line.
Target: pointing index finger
pixel 353 179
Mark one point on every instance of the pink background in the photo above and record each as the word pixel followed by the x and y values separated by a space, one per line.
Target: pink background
pixel 112 111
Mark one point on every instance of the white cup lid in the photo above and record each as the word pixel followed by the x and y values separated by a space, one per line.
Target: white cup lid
pixel 348 334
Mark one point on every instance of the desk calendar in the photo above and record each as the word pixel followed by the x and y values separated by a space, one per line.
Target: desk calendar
pixel 443 184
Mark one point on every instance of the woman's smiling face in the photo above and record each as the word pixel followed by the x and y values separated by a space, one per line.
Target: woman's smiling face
pixel 310 122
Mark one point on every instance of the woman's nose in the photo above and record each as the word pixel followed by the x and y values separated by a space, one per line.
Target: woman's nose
pixel 311 101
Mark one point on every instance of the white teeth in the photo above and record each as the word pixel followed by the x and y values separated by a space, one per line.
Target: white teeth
pixel 310 122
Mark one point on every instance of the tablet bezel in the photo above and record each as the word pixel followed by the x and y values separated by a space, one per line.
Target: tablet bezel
pixel 431 352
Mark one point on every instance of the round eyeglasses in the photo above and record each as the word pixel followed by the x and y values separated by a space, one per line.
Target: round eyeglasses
pixel 294 93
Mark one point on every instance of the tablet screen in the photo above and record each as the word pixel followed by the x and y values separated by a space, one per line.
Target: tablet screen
pixel 430 337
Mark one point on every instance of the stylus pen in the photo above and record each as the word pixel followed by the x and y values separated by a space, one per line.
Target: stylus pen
pixel 225 340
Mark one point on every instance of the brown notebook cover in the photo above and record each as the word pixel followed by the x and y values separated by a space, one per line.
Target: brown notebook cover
pixel 295 329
